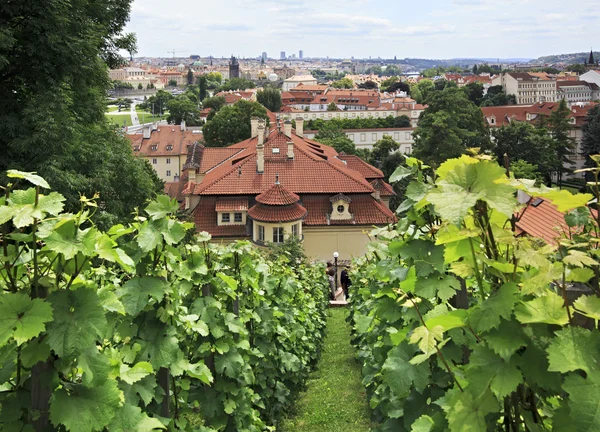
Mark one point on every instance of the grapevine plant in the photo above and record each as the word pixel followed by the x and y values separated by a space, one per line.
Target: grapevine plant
pixel 136 328
pixel 464 324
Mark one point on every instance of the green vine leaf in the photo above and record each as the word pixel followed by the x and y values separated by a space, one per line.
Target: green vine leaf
pixel 588 306
pixel 584 401
pixel 130 418
pixel 22 318
pixel 574 348
pixel 83 409
pixel 134 374
pixel 31 177
pixel 486 316
pixel 400 374
pixel 547 309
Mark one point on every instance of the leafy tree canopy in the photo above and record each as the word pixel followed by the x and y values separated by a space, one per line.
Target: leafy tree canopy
pixel 344 83
pixel 590 142
pixel 333 136
pixel 53 81
pixel 270 98
pixel 183 109
pixel 449 125
pixel 231 124
pixel 237 84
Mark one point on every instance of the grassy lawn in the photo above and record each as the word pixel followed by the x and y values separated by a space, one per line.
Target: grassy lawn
pixel 118 119
pixel 335 400
pixel 146 117
pixel 112 108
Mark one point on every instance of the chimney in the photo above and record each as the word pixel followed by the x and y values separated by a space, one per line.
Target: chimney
pixel 300 126
pixel 182 126
pixel 146 131
pixel 253 126
pixel 260 150
pixel 287 128
pixel 290 146
pixel 261 133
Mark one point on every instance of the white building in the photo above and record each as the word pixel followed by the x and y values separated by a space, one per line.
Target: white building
pixel 366 138
pixel 528 88
pixel 577 91
pixel 592 76
pixel 296 80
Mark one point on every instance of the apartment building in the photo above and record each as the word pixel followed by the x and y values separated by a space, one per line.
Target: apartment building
pixel 528 87
pixel 366 138
pixel 574 92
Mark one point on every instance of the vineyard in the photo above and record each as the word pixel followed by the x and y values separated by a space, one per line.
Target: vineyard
pixel 463 325
pixel 145 326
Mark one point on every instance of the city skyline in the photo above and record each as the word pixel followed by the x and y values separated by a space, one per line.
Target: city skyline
pixel 448 29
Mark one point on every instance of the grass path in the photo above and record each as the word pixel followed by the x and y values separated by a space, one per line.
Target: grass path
pixel 335 399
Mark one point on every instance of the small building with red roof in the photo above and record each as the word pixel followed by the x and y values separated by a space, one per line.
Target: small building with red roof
pixel 279 184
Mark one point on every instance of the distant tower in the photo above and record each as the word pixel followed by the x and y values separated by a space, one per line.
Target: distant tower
pixel 301 54
pixel 264 57
pixel 234 68
pixel 282 55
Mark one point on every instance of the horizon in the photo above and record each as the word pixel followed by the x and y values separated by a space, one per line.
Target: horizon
pixel 450 29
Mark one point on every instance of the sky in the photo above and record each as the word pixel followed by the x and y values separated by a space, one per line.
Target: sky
pixel 435 29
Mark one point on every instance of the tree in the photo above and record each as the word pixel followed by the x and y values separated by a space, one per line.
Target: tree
pixel 140 86
pixel 421 90
pixel 172 83
pixel 190 77
pixel 54 60
pixel 559 126
pixel 215 76
pixel 332 106
pixel 381 150
pixel 183 109
pixel 399 86
pixel 202 87
pixel 369 85
pixel 270 98
pixel 495 97
pixel 215 102
pixel 449 125
pixel 157 103
pixel 524 142
pixel 333 136
pixel 525 170
pixel 578 68
pixel 231 124
pixel 386 83
pixel 401 122
pixel 344 83
pixel 474 91
pixel 237 84
pixel 590 142
pixel 475 69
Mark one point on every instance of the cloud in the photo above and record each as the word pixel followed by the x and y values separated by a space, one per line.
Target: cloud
pixel 228 27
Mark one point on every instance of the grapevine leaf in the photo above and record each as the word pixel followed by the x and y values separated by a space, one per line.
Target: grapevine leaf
pixel 107 250
pixel 579 259
pixel 133 374
pixel 135 292
pixel 546 309
pixel 162 206
pixel 427 339
pixel 79 320
pixel 161 349
pixel 577 217
pixel 448 321
pixel 584 401
pixel 200 371
pixel 400 375
pixel 22 318
pixel 96 367
pixel 426 256
pixel 145 388
pixel 506 339
pixel 574 348
pixel 423 424
pixel 444 285
pixel 488 369
pixel 462 184
pixel 579 274
pixel 34 352
pixel 401 172
pixel 149 237
pixel 565 200
pixel 500 304
pixel 588 306
pixel 31 177
pixel 231 282
pixel 546 274
pixel 230 363
pixel 174 232
pixel 130 418
pixel 83 409
pixel 466 413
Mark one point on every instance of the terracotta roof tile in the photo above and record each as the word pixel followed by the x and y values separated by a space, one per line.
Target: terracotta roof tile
pixel 167 140
pixel 205 218
pixel 287 213
pixel 231 204
pixel 277 195
pixel 357 164
pixel 211 157
pixel 383 188
pixel 365 209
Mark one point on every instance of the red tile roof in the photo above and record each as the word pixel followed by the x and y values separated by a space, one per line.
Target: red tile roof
pixel 505 114
pixel 205 218
pixel 313 162
pixel 164 138
pixel 211 157
pixel 231 204
pixel 364 208
pixel 286 213
pixel 544 222
pixel 357 164
pixel 277 195
pixel 383 188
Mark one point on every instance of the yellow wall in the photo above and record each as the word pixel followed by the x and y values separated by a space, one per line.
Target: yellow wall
pixel 287 229
pixel 321 242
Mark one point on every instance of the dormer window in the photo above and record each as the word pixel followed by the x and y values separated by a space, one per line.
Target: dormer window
pixel 136 148
pixel 154 147
pixel 169 147
pixel 340 207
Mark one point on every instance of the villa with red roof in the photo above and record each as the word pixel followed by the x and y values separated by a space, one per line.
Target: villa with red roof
pixel 278 184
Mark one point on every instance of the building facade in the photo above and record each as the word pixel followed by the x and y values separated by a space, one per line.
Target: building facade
pixel 528 88
pixel 366 138
pixel 575 92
